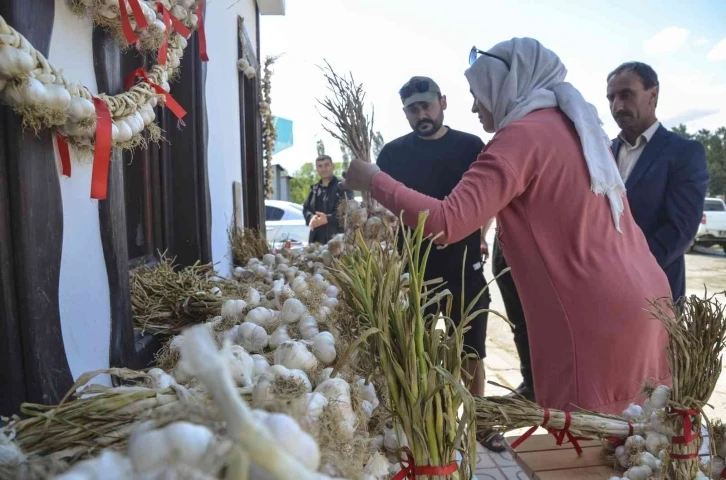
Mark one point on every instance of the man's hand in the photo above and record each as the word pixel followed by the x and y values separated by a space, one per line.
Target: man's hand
pixel 322 219
pixel 484 249
pixel 314 222
pixel 359 175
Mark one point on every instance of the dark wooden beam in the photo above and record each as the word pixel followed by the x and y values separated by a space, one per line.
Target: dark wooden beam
pixel 36 222
pixel 184 161
pixel 112 213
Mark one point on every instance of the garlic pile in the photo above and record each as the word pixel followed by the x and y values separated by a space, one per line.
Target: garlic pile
pixel 42 94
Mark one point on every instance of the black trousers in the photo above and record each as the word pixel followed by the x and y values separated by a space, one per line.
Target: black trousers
pixel 513 306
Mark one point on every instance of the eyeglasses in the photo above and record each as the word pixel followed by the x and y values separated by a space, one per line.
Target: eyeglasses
pixel 475 52
pixel 420 86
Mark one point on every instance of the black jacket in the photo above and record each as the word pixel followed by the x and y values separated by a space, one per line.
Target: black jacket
pixel 325 199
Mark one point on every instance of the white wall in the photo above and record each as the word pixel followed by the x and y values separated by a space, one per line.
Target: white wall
pixel 224 150
pixel 84 296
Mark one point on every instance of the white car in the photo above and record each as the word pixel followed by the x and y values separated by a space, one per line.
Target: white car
pixel 712 230
pixel 285 222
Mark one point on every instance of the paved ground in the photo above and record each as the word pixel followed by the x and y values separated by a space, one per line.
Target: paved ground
pixel 704 268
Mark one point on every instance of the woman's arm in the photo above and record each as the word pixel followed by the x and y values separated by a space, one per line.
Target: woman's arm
pixel 488 186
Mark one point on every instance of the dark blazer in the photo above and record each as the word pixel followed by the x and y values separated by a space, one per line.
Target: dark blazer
pixel 666 192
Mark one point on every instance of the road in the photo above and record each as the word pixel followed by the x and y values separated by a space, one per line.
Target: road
pixel 705 269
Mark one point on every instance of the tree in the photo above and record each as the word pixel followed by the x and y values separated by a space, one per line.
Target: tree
pixel 378 143
pixel 321 147
pixel 715 146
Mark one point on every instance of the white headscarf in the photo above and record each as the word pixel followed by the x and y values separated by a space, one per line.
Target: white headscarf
pixel 534 81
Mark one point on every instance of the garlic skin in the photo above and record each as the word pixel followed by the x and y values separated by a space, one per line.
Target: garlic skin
pixel 10 453
pixel 14 62
pixel 636 442
pixel 337 390
pixel 377 465
pixel 110 465
pixel 633 412
pixel 260 316
pixel 655 442
pixel 252 337
pixel 292 311
pixel 234 308
pixel 391 438
pixel 253 297
pixel 308 327
pixel 295 355
pixel 312 404
pixel 660 396
pixel 621 454
pixel 261 365
pixel 368 392
pixel 639 472
pixel 291 437
pixel 241 365
pixel 178 443
pixel 159 379
pixel 263 393
pixel 279 336
pixel 324 347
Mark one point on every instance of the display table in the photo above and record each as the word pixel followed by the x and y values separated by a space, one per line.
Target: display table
pixel 541 459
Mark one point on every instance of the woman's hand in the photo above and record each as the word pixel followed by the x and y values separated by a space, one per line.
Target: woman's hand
pixel 359 175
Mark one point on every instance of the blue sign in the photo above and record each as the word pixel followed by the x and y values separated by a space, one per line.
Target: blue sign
pixel 283 127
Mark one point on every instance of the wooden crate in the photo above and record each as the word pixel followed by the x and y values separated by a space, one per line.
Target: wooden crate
pixel 541 459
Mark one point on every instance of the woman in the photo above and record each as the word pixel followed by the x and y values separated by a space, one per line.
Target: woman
pixel 580 263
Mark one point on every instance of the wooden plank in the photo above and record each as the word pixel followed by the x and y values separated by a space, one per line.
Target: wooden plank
pixel 589 473
pixel 237 205
pixel 36 222
pixel 564 458
pixel 545 442
pixel 187 161
pixel 112 213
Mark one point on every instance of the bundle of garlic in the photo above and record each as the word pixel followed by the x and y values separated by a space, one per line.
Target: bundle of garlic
pixel 39 92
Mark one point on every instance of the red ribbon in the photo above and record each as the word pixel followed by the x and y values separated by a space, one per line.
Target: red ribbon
pixel 65 155
pixel 102 153
pixel 621 441
pixel 410 470
pixel 559 435
pixel 688 434
pixel 138 13
pixel 126 23
pixel 166 18
pixel 200 30
pixel 169 101
pixel 180 28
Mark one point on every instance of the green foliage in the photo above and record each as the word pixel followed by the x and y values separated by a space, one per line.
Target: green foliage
pixel 715 145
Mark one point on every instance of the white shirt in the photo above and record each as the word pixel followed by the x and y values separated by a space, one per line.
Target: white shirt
pixel 628 154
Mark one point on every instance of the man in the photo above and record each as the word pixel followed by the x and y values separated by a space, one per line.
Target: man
pixel 321 206
pixel 665 174
pixel 432 159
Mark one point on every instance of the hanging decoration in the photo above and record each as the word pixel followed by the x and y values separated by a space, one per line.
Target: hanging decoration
pixel 269 133
pixel 44 98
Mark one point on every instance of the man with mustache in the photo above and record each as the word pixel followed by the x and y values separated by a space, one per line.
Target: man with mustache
pixel 432 159
pixel 665 174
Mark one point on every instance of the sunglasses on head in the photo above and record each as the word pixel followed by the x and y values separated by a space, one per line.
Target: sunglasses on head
pixel 419 86
pixel 475 52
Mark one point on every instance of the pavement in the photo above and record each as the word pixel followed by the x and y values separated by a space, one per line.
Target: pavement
pixel 705 268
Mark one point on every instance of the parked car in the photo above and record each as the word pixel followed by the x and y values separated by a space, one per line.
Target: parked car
pixel 285 222
pixel 712 230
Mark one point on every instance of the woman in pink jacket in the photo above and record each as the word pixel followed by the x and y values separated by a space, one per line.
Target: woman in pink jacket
pixel 580 263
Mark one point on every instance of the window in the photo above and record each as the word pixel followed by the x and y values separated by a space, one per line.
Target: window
pixel 295 214
pixel 713 206
pixel 273 214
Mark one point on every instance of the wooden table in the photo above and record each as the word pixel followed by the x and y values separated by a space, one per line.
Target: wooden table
pixel 541 459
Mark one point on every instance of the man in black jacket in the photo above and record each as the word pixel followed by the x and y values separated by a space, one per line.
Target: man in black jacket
pixel 321 206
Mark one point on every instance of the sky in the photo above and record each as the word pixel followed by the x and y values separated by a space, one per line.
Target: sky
pixel 385 42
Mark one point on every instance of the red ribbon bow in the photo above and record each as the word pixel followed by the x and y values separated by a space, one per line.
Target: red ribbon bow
pixel 65 155
pixel 559 435
pixel 621 441
pixel 102 152
pixel 169 101
pixel 169 21
pixel 200 30
pixel 410 470
pixel 688 434
pixel 126 27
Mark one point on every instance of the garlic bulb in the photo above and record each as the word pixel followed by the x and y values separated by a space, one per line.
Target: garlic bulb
pixel 377 465
pixel 295 355
pixel 260 316
pixel 394 438
pixel 632 413
pixel 639 472
pixel 266 390
pixel 621 453
pixel 124 131
pixel 261 365
pixel 292 311
pixel 324 347
pixel 323 375
pixel 337 390
pixel 237 273
pixel 288 434
pixel 81 108
pixel 659 397
pixel 299 285
pixel 241 365
pixel 109 465
pixel 57 97
pixel 14 62
pixel 368 392
pixel 178 443
pixel 10 453
pixel 279 336
pixel 253 297
pixel 160 379
pixel 635 443
pixel 234 308
pixel 268 259
pixel 313 405
pixel 32 93
pixel 252 337
pixel 655 442
pixel 308 327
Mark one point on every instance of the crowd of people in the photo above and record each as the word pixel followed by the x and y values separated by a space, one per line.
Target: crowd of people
pixel 591 229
